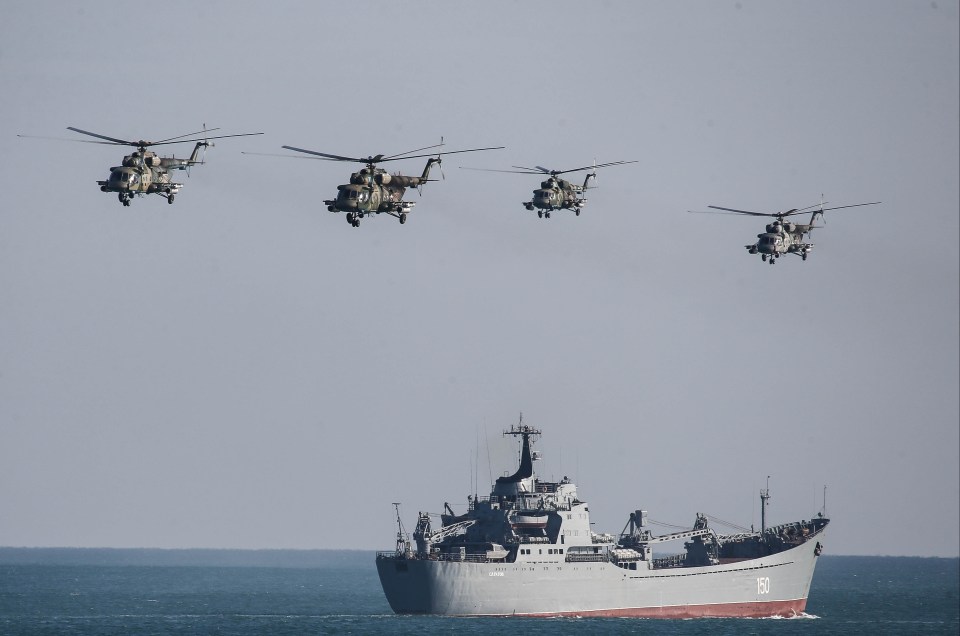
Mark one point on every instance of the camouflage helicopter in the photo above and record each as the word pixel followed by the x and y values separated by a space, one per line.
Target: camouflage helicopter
pixel 373 190
pixel 785 237
pixel 143 172
pixel 556 193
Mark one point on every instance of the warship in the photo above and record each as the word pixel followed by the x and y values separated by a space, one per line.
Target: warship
pixel 528 550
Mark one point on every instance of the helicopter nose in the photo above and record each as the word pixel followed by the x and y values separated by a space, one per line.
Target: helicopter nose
pixel 117 180
pixel 345 203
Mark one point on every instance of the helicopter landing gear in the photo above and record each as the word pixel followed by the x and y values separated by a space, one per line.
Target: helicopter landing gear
pixel 804 256
pixel 546 214
pixel 170 199
pixel 403 218
pixel 124 198
pixel 772 260
pixel 764 257
pixel 540 214
pixel 577 211
pixel 353 219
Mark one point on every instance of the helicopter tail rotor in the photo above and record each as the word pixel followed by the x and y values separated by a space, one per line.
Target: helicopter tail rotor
pixel 206 144
pixel 591 175
pixel 439 162
pixel 199 156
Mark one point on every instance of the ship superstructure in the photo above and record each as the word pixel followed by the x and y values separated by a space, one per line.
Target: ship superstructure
pixel 528 549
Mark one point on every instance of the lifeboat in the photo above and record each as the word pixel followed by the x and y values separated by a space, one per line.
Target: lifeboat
pixel 529 521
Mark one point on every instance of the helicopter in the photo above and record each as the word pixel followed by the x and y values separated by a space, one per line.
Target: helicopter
pixel 556 193
pixel 143 172
pixel 373 190
pixel 785 237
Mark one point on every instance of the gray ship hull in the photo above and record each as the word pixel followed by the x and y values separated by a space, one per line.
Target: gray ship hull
pixel 775 585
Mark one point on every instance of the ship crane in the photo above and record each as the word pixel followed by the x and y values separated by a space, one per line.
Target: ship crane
pixel 449 531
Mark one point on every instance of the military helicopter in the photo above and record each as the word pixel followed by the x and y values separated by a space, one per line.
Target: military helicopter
pixel 143 172
pixel 373 190
pixel 556 193
pixel 784 237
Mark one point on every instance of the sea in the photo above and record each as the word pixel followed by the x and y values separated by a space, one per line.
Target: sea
pixel 131 592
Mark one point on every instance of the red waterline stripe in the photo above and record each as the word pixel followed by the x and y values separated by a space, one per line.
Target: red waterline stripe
pixel 727 610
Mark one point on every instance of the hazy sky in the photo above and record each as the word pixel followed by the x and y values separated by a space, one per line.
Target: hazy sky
pixel 243 369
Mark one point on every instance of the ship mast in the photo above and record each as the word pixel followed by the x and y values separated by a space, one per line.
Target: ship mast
pixel 526 432
pixel 764 497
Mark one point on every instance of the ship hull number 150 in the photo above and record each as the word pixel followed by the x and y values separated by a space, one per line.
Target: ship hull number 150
pixel 763 585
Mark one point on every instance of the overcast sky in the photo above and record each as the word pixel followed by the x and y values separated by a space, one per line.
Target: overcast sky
pixel 243 369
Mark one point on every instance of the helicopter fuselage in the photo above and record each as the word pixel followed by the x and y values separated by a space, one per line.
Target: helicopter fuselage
pixel 143 172
pixel 373 190
pixel 781 238
pixel 558 194
pixel 366 197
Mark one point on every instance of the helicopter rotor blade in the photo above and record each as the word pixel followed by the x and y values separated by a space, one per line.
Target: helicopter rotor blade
pixel 186 141
pixel 536 170
pixel 79 141
pixel 277 154
pixel 717 207
pixel 322 155
pixel 204 132
pixel 122 142
pixel 592 167
pixel 507 171
pixel 381 158
pixel 400 154
pixel 855 205
pixel 447 152
pixel 455 152
pixel 800 210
